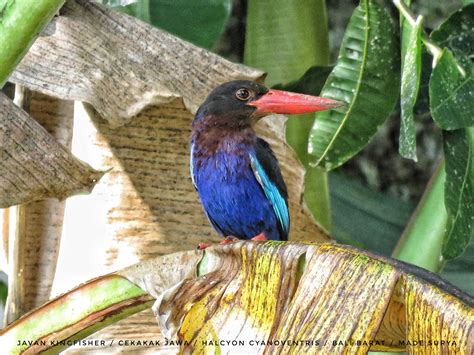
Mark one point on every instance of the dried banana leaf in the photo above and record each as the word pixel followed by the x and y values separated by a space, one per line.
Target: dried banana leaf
pixel 33 165
pixel 272 297
pixel 119 64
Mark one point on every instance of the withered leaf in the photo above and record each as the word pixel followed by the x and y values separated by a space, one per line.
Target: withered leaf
pixel 33 165
pixel 119 64
pixel 254 296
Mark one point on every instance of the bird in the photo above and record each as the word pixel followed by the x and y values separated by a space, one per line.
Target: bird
pixel 235 172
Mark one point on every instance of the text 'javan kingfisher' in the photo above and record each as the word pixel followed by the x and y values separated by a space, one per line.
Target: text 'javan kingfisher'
pixel 235 172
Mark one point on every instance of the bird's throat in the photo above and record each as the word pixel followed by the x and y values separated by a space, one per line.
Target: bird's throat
pixel 216 139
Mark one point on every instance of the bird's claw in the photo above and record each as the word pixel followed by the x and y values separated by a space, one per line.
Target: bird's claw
pixel 202 246
pixel 259 238
pixel 228 240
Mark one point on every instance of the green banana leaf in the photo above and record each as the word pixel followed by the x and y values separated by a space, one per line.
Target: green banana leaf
pixel 199 22
pixel 365 218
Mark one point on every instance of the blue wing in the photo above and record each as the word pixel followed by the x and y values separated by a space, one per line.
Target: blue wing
pixel 267 172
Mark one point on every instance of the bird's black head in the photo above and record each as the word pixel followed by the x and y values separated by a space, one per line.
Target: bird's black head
pixel 231 102
pixel 241 103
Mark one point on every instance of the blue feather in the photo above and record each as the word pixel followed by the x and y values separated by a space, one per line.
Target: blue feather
pixel 272 193
pixel 234 201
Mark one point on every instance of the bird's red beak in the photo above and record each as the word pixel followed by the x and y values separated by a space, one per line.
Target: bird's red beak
pixel 285 102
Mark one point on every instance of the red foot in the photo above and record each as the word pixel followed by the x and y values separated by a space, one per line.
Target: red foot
pixel 202 246
pixel 229 239
pixel 259 238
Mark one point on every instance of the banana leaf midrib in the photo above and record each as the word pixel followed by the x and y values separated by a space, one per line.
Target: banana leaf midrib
pixel 423 274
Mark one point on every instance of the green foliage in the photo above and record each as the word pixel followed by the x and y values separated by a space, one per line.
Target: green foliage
pixel 459 190
pixel 115 3
pixel 411 76
pixel 3 6
pixel 200 22
pixel 366 79
pixel 284 39
pixel 459 271
pixel 452 92
pixel 405 32
pixel 422 105
pixel 452 80
pixel 311 83
pixel 3 292
pixel 365 218
pixel 451 100
pixel 457 32
pixel 451 97
pixel 421 241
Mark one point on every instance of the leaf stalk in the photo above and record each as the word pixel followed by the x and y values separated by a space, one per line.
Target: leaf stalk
pixel 434 50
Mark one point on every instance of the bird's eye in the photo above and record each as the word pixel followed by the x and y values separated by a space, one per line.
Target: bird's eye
pixel 242 94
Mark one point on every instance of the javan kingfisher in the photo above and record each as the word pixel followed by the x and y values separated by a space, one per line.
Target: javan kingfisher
pixel 236 173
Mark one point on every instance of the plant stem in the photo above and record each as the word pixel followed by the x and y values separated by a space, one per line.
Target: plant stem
pixel 20 23
pixel 434 50
pixel 97 303
pixel 285 40
pixel 76 314
pixel 422 239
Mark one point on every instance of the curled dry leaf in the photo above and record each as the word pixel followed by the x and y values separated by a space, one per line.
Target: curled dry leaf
pixel 120 65
pixel 33 165
pixel 319 298
pixel 165 272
